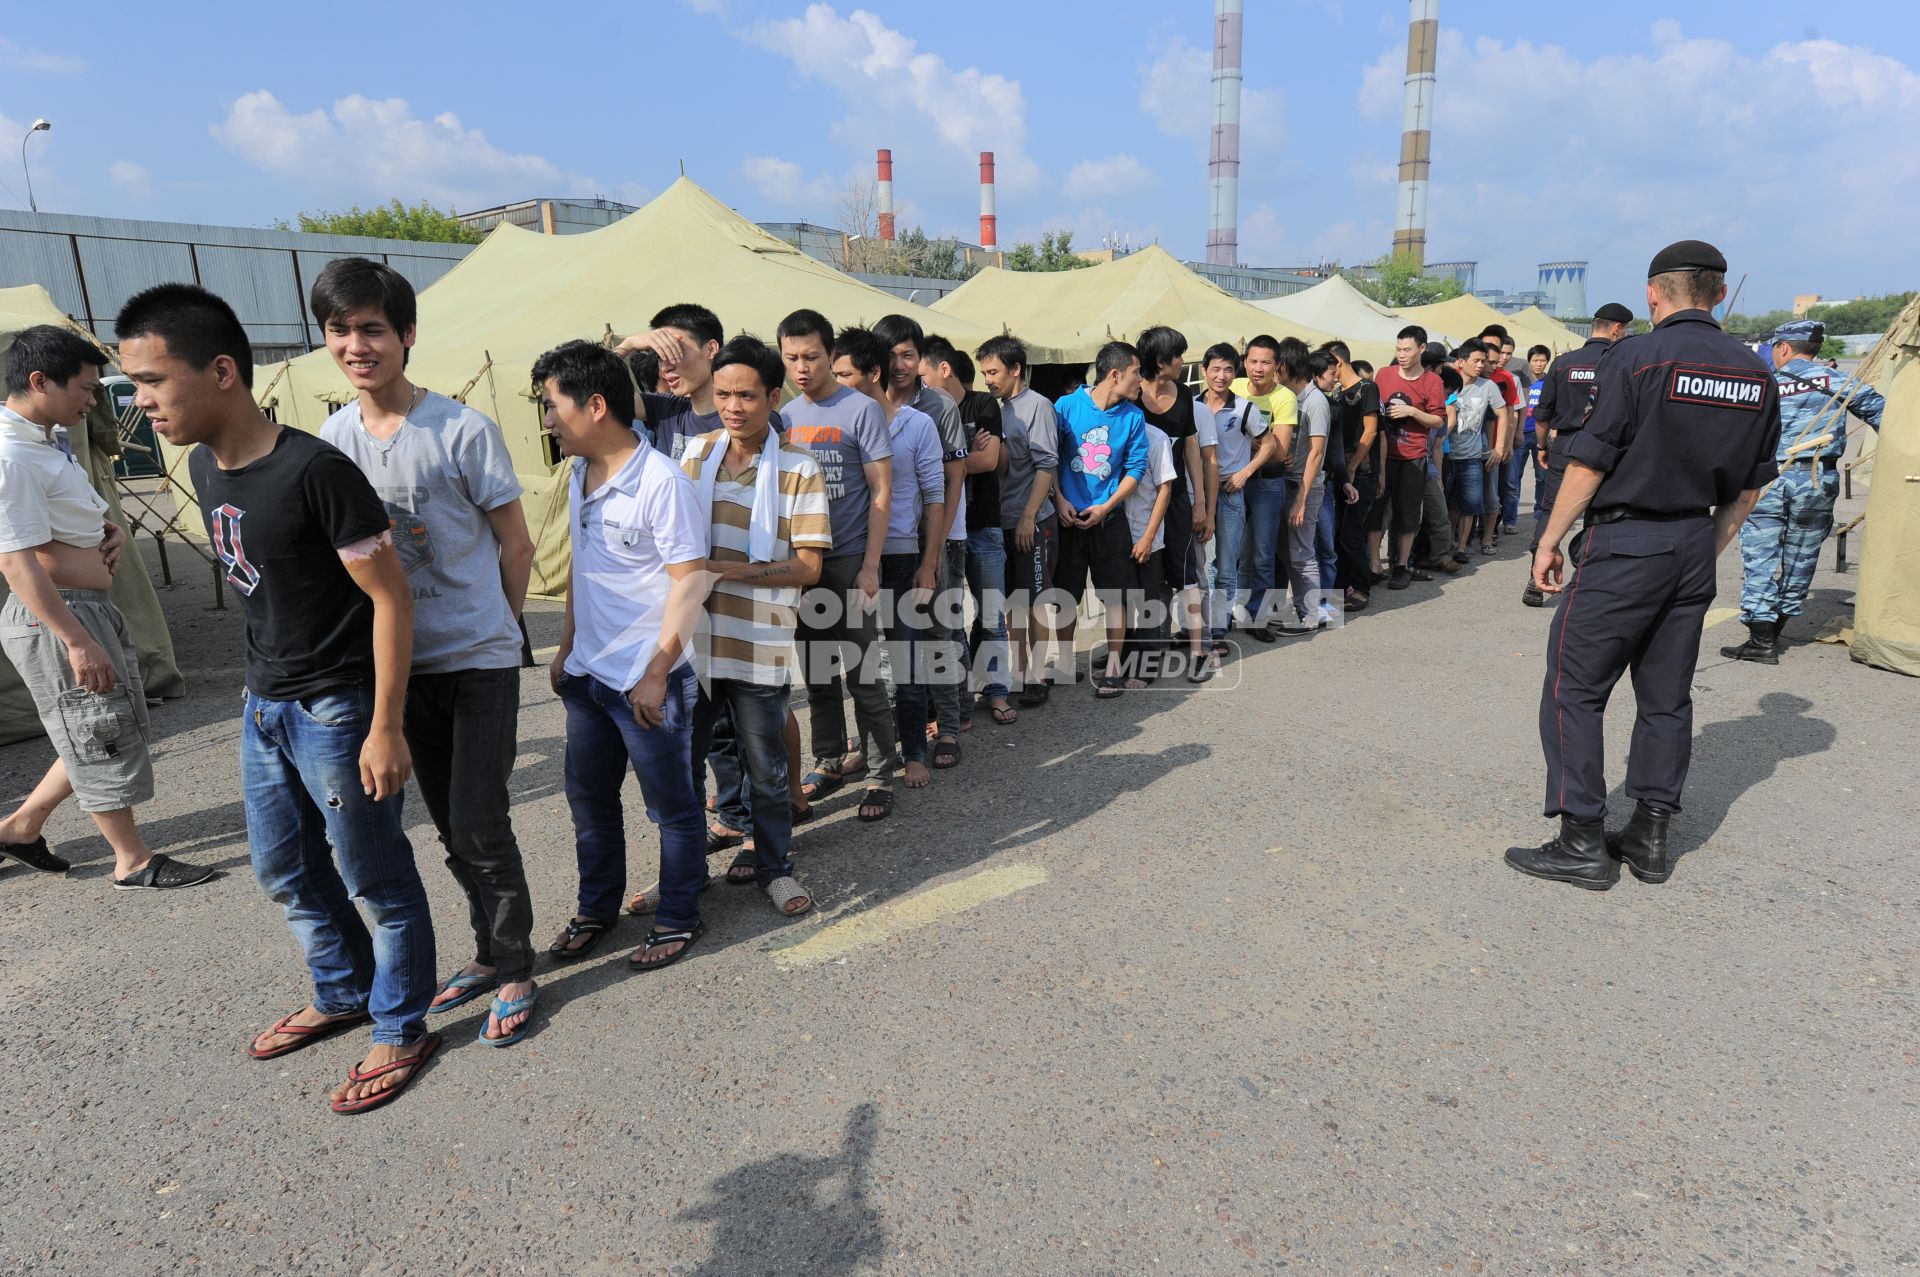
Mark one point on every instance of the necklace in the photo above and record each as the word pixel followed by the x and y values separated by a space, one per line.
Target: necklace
pixel 406 419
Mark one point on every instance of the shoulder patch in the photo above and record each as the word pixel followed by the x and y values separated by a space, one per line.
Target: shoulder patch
pixel 1717 387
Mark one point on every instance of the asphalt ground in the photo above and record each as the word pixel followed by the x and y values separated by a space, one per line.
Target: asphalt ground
pixel 1217 981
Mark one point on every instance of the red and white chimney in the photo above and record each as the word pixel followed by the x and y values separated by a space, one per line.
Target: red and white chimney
pixel 884 193
pixel 989 224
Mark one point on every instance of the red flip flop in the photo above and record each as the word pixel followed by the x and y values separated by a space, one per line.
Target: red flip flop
pixel 417 1062
pixel 305 1035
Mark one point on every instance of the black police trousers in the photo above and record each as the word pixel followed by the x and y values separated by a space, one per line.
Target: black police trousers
pixel 1635 602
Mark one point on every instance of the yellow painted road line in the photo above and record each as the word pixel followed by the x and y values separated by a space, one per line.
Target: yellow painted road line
pixel 837 939
pixel 1719 614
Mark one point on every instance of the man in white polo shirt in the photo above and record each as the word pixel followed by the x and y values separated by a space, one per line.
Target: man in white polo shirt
pixel 633 596
pixel 68 642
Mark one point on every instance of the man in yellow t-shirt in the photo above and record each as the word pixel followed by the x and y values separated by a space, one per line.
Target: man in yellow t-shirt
pixel 1267 491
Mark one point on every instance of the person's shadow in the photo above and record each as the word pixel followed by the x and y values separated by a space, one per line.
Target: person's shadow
pixel 1734 755
pixel 794 1214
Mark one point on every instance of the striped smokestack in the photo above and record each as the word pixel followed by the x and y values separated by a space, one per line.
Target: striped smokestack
pixel 989 223
pixel 1416 141
pixel 883 194
pixel 1223 168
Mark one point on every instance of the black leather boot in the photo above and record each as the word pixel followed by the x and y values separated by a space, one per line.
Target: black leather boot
pixel 1577 855
pixel 1762 646
pixel 1643 844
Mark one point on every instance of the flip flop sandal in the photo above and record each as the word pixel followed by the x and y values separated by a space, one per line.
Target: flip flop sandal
pixel 783 891
pixel 661 939
pixel 824 783
pixel 415 1062
pixel 591 928
pixel 1035 694
pixel 881 798
pixel 1107 688
pixel 1004 715
pixel 747 859
pixel 645 902
pixel 719 839
pixel 803 816
pixel 1200 671
pixel 946 753
pixel 162 874
pixel 470 986
pixel 502 1010
pixel 305 1034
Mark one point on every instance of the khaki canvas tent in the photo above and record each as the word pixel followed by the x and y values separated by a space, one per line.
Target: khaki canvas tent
pixel 1460 319
pixel 1886 622
pixel 1066 316
pixel 1335 306
pixel 521 293
pixel 96 443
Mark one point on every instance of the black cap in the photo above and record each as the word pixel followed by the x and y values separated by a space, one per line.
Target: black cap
pixel 1614 313
pixel 1688 254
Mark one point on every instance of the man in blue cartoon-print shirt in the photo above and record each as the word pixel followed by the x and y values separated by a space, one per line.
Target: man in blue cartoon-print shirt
pixel 1103 457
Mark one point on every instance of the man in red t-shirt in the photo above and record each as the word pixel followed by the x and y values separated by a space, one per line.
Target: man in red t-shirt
pixel 1413 404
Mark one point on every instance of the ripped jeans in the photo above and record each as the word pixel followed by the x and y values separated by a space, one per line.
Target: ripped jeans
pixel 320 845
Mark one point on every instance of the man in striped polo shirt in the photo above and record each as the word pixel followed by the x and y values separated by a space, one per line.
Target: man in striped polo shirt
pixel 766 504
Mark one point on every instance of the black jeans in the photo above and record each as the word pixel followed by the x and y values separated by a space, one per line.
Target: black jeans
pixel 1350 536
pixel 462 728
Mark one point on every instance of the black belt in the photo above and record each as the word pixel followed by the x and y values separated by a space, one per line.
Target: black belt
pixel 1615 513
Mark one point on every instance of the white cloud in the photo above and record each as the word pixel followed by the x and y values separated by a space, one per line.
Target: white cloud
pixel 1116 175
pixel 1176 93
pixel 785 186
pixel 900 97
pixel 1671 141
pixel 363 148
pixel 131 178
pixel 17 57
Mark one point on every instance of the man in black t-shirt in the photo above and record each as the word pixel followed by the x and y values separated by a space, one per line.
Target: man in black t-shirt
pixel 1356 411
pixel 323 763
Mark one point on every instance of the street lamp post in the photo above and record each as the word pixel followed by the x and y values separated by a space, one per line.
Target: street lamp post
pixel 39 126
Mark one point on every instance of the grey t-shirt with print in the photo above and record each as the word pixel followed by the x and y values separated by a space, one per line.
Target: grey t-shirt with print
pixel 844 432
pixel 438 476
pixel 1473 414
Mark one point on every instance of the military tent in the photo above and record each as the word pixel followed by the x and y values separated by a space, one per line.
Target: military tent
pixel 1886 623
pixel 1460 319
pixel 1335 306
pixel 1535 327
pixel 1066 316
pixel 521 293
pixel 96 443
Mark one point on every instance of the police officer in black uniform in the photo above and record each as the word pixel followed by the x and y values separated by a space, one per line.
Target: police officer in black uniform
pixel 1678 441
pixel 1564 393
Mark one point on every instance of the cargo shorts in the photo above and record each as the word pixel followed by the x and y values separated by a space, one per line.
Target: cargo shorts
pixel 101 739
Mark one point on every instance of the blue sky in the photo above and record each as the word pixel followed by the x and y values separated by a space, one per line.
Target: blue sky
pixel 1597 132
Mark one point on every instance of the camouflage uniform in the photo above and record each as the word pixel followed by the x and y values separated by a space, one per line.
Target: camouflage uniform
pixel 1780 541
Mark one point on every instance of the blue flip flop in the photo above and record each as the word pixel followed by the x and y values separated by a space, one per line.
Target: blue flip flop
pixel 470 986
pixel 503 1009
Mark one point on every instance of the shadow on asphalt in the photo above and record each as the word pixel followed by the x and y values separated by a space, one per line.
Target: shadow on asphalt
pixel 1741 753
pixel 792 1214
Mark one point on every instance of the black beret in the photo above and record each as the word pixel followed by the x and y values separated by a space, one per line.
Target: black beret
pixel 1614 313
pixel 1688 254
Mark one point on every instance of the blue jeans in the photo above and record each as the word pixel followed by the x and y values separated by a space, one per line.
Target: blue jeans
pixel 602 740
pixel 947 692
pixel 907 638
pixel 758 717
pixel 986 577
pixel 1266 524
pixel 1229 539
pixel 1511 475
pixel 300 778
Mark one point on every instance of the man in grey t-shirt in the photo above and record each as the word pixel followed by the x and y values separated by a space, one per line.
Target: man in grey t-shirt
pixel 847 434
pixel 443 472
pixel 1474 448
pixel 1031 434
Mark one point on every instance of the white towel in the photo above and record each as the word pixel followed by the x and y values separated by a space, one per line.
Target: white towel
pixel 764 529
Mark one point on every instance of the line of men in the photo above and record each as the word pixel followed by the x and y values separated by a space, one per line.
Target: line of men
pixel 879 535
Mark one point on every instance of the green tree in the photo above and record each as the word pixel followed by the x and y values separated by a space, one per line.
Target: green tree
pixel 393 220
pixel 1401 282
pixel 1867 315
pixel 914 254
pixel 1053 252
